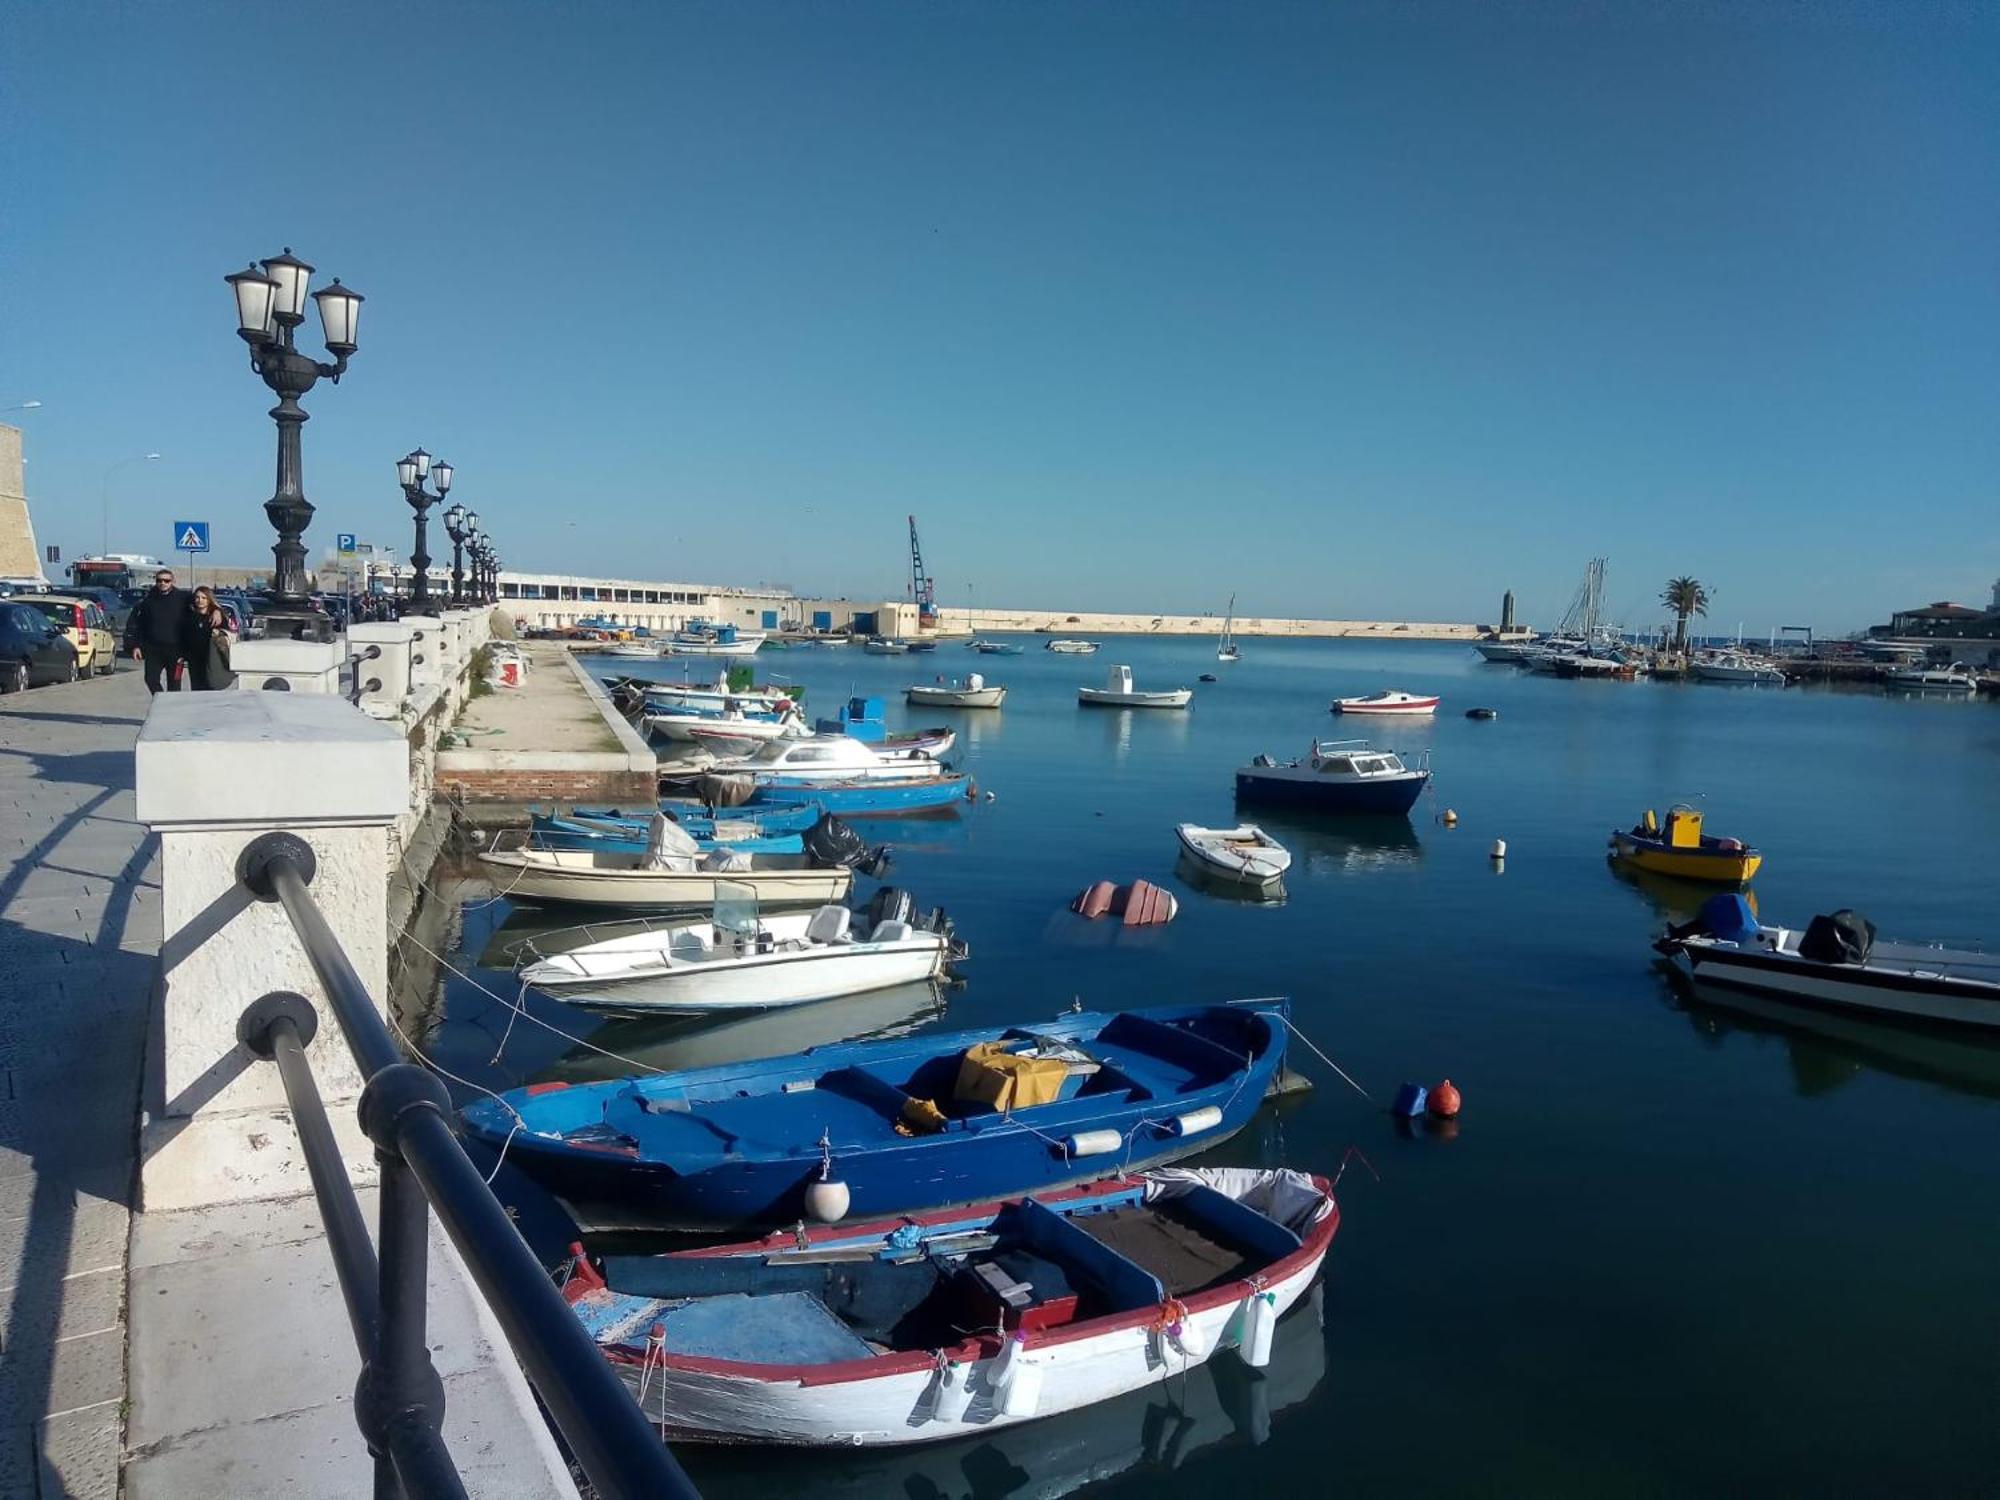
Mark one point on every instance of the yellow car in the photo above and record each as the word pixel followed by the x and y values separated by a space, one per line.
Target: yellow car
pixel 85 625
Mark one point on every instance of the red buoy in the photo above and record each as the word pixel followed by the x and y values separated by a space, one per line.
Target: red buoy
pixel 1444 1101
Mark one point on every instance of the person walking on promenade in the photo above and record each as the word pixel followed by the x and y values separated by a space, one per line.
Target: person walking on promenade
pixel 156 632
pixel 207 644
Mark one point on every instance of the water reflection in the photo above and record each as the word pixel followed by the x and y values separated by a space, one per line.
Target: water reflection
pixel 1222 1402
pixel 1210 883
pixel 1121 725
pixel 1672 898
pixel 1339 845
pixel 1828 1048
pixel 670 1043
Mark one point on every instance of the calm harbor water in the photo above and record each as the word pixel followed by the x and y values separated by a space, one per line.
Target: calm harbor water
pixel 1671 1246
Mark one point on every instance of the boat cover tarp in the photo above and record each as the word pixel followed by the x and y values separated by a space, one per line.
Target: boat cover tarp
pixel 1844 937
pixel 990 1074
pixel 832 844
pixel 783 1328
pixel 1728 918
pixel 727 790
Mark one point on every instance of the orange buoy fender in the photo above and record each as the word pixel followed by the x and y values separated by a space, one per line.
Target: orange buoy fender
pixel 1444 1100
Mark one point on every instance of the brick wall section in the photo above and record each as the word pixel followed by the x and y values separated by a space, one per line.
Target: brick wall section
pixel 619 787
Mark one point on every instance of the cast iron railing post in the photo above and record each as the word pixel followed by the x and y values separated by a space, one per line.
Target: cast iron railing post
pixel 405 1112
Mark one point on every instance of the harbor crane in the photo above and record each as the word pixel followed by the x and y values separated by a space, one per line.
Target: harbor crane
pixel 922 590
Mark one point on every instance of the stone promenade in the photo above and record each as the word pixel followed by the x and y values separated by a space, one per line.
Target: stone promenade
pixel 79 946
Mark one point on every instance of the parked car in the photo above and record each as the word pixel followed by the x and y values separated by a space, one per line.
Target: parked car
pixel 32 649
pixel 112 600
pixel 84 625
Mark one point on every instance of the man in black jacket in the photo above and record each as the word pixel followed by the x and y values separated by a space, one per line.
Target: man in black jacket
pixel 156 631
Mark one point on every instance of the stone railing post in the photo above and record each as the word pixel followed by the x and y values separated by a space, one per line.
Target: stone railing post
pixel 214 771
pixel 393 640
pixel 287 666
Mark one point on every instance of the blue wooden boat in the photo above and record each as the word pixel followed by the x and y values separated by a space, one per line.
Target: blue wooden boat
pixel 861 1129
pixel 549 832
pixel 862 799
pixel 696 818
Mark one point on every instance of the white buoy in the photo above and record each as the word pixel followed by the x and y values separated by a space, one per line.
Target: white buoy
pixel 1499 849
pixel 1024 1389
pixel 828 1201
pixel 1094 1142
pixel 1197 1120
pixel 1190 1340
pixel 1260 1322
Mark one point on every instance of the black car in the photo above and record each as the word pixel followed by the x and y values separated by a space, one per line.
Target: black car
pixel 32 649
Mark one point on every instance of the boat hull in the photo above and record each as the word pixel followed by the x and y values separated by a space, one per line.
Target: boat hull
pixel 1849 987
pixel 759 982
pixel 522 879
pixel 869 799
pixel 1105 698
pixel 1716 866
pixel 1386 795
pixel 897 1408
pixel 925 697
pixel 1406 706
pixel 1252 865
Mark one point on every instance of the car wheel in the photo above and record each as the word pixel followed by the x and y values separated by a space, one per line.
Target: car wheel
pixel 110 665
pixel 15 678
pixel 71 673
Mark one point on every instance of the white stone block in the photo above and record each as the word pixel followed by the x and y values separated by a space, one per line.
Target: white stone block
pixel 427 652
pixel 266 759
pixel 302 666
pixel 392 641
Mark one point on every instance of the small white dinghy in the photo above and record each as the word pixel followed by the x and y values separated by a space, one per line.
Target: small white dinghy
pixel 1244 853
pixel 1118 692
pixel 1388 702
pixel 969 691
pixel 737 959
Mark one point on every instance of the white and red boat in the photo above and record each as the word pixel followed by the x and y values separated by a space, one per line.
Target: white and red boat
pixel 1387 702
pixel 854 1335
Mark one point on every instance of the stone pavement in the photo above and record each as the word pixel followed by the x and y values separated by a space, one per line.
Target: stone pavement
pixel 79 946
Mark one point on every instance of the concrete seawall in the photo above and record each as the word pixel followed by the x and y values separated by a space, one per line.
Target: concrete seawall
pixel 1087 623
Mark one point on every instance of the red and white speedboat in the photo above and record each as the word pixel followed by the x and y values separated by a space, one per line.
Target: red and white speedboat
pixel 1388 702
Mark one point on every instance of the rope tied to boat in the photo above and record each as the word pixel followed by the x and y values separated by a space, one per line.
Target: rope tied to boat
pixel 1292 1027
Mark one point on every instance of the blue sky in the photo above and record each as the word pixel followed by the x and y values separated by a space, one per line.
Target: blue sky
pixel 1354 310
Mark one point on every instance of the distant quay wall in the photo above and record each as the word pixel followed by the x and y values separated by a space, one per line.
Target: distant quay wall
pixel 1092 622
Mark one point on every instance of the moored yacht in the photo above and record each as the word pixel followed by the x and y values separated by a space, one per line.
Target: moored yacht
pixel 1341 776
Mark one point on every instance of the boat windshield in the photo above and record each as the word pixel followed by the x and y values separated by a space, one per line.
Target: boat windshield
pixel 735 909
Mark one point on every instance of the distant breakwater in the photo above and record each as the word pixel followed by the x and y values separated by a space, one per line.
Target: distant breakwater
pixel 1085 623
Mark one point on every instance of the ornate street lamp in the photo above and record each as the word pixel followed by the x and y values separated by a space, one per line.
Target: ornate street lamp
pixel 455 523
pixel 270 305
pixel 411 472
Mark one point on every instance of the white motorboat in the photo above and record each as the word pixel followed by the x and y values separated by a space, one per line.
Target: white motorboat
pixel 1736 666
pixel 732 724
pixel 1118 692
pixel 1956 678
pixel 1512 652
pixel 969 691
pixel 1226 648
pixel 703 639
pixel 1244 853
pixel 647 649
pixel 717 697
pixel 740 959
pixel 1837 962
pixel 832 757
pixel 1071 648
pixel 1386 702
pixel 877 646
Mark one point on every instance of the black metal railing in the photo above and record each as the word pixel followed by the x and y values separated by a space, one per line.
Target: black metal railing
pixel 405 1113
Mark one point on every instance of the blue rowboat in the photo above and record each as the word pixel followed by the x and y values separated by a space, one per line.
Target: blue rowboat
pixel 623 835
pixel 861 799
pixel 861 1129
pixel 696 818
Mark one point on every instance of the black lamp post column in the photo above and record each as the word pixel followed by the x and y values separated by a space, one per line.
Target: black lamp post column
pixel 455 523
pixel 270 305
pixel 411 472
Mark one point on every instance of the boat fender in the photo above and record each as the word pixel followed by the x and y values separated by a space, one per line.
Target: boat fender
pixel 1092 1142
pixel 1018 1380
pixel 1498 851
pixel 1260 1322
pixel 828 1200
pixel 1409 1101
pixel 1444 1101
pixel 1450 818
pixel 951 1393
pixel 1197 1120
pixel 1182 1331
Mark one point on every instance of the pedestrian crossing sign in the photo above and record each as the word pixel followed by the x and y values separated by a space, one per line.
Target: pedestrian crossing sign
pixel 190 536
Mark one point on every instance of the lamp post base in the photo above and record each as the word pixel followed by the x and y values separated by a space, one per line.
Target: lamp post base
pixel 284 624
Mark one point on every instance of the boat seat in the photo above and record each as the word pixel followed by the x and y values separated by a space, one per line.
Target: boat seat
pixel 1125 1285
pixel 891 931
pixel 829 925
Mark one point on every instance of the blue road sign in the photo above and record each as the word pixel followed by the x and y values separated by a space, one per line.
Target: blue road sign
pixel 344 542
pixel 190 536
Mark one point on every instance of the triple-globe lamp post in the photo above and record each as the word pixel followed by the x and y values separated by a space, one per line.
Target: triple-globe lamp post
pixel 411 472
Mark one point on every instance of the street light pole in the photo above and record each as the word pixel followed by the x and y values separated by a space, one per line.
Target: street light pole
pixel 270 305
pixel 459 523
pixel 411 472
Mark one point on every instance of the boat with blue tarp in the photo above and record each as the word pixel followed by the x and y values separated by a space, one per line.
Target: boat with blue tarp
pixel 899 1126
pixel 745 836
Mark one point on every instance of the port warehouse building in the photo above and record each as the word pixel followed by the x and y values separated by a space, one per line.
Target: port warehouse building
pixel 557 599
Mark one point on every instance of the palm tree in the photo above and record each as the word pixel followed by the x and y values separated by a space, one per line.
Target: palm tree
pixel 1685 597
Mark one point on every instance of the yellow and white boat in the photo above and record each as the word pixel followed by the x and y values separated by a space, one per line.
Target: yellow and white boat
pixel 1682 849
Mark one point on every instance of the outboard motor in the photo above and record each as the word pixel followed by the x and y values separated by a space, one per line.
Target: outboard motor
pixel 890 904
pixel 937 921
pixel 1842 938
pixel 831 844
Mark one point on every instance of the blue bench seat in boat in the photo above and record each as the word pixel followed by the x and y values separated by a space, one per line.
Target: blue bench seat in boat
pixel 1125 1285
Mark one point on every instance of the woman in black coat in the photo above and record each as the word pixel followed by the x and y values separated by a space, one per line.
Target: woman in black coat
pixel 208 642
